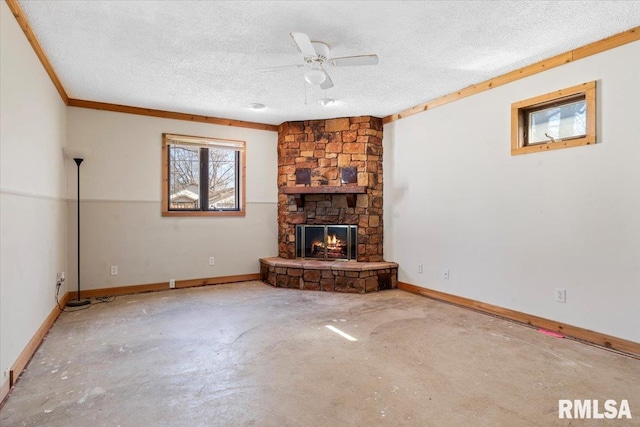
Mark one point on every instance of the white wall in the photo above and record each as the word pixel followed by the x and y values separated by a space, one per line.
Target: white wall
pixel 512 229
pixel 32 192
pixel 121 222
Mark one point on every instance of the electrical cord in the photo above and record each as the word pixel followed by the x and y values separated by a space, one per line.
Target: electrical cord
pixel 104 300
pixel 99 300
pixel 63 308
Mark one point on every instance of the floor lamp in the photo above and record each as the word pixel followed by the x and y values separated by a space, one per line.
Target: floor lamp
pixel 78 155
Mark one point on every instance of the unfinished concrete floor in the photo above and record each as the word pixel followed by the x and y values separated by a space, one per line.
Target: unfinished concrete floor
pixel 249 354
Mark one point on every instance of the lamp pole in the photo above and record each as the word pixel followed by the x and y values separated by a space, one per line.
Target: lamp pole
pixel 78 302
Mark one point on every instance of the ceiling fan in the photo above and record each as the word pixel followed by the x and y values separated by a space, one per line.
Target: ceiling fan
pixel 316 56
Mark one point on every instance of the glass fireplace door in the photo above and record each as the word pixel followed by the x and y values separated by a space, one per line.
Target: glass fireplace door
pixel 314 246
pixel 337 242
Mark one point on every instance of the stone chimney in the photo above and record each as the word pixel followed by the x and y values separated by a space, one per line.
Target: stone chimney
pixel 330 172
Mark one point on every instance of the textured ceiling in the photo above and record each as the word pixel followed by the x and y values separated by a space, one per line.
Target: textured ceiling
pixel 204 57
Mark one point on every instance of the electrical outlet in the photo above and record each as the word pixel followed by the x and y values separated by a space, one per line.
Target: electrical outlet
pixel 561 295
pixel 7 372
pixel 445 273
pixel 60 279
pixel 114 270
pixel 420 268
pixel 212 260
pixel 172 283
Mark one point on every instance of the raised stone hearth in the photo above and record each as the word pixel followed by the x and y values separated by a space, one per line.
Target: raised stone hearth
pixel 336 276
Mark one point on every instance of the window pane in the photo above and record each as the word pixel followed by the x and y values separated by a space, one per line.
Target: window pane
pixel 222 179
pixel 184 177
pixel 559 122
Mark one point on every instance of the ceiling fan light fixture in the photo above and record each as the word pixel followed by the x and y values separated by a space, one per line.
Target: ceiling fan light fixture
pixel 325 102
pixel 315 76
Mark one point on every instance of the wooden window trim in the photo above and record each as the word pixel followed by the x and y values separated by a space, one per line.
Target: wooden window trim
pixel 518 121
pixel 165 183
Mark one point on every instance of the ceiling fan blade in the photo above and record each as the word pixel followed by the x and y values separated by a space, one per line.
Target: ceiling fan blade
pixel 327 83
pixel 304 44
pixel 349 61
pixel 280 68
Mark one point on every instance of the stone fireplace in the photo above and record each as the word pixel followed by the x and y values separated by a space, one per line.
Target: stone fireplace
pixel 330 175
pixel 340 182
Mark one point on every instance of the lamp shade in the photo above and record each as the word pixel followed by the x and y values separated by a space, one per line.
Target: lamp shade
pixel 76 152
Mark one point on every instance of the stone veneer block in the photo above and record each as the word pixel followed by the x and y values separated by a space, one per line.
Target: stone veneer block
pixel 340 124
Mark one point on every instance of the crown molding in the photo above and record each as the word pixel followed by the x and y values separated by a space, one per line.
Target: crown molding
pixel 18 13
pixel 105 106
pixel 599 46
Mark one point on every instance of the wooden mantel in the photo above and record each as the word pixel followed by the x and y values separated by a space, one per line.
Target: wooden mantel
pixel 325 189
pixel 349 190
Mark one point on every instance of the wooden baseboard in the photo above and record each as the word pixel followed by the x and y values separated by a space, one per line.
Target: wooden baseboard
pixel 4 391
pixel 528 319
pixel 28 352
pixel 164 286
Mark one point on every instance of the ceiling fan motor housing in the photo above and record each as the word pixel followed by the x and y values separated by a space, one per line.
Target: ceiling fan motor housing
pixel 322 52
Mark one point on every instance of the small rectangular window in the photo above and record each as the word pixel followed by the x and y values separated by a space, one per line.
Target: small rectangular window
pixel 561 119
pixel 202 176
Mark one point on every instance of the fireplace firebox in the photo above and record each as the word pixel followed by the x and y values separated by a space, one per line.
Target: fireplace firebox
pixel 329 242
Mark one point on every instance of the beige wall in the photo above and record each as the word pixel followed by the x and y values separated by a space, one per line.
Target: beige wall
pixel 120 214
pixel 512 229
pixel 32 192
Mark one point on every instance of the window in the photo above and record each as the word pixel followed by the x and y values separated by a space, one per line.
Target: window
pixel 561 119
pixel 202 176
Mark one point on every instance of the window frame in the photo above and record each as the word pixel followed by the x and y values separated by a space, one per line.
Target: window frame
pixel 167 139
pixel 520 111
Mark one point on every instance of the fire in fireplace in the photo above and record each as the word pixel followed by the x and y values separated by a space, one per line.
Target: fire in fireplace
pixel 335 242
